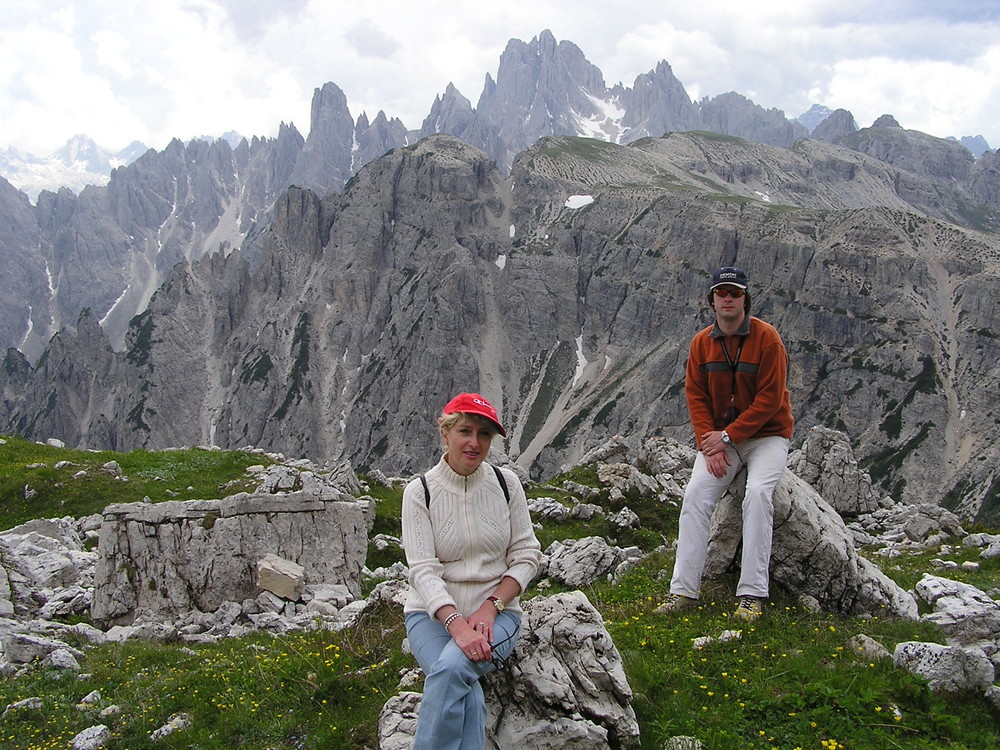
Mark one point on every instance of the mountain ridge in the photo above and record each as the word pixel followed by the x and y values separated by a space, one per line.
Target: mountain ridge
pixel 109 247
pixel 656 94
pixel 318 295
pixel 335 332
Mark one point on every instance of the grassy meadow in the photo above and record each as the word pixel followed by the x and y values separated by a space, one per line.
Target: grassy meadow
pixel 791 681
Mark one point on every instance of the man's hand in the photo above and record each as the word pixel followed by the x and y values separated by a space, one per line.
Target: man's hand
pixel 714 450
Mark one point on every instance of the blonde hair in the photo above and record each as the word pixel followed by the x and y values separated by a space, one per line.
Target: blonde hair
pixel 447 421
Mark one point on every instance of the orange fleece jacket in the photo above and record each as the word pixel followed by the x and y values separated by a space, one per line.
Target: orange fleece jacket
pixel 761 392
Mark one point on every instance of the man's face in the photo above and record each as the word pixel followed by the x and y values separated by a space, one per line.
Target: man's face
pixel 727 305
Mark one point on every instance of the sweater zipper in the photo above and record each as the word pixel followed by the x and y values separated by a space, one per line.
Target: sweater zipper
pixel 468 512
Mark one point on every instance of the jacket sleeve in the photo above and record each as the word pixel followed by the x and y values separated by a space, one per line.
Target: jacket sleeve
pixel 699 399
pixel 772 383
pixel 418 544
pixel 524 551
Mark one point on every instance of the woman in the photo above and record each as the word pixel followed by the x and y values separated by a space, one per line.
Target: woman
pixel 471 553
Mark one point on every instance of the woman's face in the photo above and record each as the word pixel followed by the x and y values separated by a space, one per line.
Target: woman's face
pixel 467 443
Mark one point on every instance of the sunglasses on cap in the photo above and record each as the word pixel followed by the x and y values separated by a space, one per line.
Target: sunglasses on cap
pixel 721 292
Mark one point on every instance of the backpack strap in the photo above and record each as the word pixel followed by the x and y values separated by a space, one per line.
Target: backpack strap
pixel 496 470
pixel 503 483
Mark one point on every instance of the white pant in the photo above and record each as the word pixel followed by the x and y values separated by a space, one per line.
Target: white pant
pixel 764 459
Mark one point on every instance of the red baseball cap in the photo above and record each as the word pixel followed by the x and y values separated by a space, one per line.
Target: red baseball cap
pixel 473 403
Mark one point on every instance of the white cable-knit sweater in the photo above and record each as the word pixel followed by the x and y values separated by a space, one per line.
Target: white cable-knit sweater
pixel 460 548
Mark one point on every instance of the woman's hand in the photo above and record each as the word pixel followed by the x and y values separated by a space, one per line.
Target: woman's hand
pixel 482 620
pixel 473 636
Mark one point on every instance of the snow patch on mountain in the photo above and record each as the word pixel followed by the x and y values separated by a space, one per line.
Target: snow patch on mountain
pixel 79 163
pixel 606 125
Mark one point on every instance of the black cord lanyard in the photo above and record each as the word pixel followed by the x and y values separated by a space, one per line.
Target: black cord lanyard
pixel 733 364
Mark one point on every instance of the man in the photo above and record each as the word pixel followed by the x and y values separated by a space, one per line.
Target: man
pixel 737 393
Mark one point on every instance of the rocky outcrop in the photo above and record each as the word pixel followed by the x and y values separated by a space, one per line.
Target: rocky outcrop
pixel 46 570
pixel 734 114
pixel 173 557
pixel 585 561
pixel 565 686
pixel 970 619
pixel 565 683
pixel 108 248
pixel 839 123
pixel 813 553
pixel 826 462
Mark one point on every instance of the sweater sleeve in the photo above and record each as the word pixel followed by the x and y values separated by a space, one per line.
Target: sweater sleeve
pixel 418 543
pixel 524 551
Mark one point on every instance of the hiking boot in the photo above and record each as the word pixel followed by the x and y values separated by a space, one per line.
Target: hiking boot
pixel 675 603
pixel 748 608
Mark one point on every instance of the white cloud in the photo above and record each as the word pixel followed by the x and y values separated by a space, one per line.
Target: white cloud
pixel 181 68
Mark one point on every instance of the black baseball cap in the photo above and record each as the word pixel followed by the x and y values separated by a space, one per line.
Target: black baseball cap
pixel 729 276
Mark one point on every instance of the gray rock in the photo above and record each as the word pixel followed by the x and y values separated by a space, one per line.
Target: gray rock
pixel 176 723
pixel 966 614
pixel 586 511
pixel 565 687
pixel 948 668
pixel 92 738
pixel 548 508
pixel 812 553
pixel 22 648
pixel 27 704
pixel 868 647
pixel 581 491
pixel 62 658
pixel 826 461
pixel 583 561
pixel 397 723
pixel 176 556
pixel 567 681
pixel 683 743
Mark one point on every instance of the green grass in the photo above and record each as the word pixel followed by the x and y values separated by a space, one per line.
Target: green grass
pixel 191 473
pixel 791 681
pixel 304 690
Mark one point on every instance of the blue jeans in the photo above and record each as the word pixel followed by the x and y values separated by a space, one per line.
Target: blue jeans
pixel 764 459
pixel 453 709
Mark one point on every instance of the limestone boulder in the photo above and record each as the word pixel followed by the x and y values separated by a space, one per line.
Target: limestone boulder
pixel 813 552
pixel 583 561
pixel 966 614
pixel 826 461
pixel 564 687
pixel 173 557
pixel 947 668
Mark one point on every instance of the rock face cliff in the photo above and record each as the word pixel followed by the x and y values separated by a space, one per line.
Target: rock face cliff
pixel 108 249
pixel 567 292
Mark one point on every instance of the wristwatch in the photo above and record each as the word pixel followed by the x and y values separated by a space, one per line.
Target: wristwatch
pixel 726 439
pixel 497 602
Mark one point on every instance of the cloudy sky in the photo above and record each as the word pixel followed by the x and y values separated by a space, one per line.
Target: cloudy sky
pixel 152 70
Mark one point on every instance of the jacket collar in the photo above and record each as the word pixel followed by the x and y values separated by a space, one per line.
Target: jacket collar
pixel 455 482
pixel 743 330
